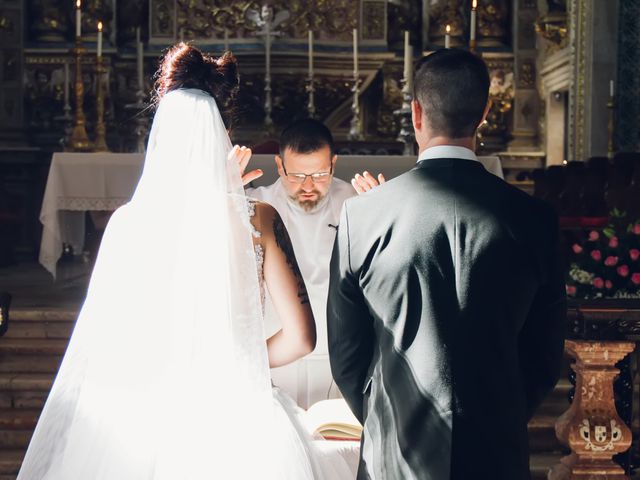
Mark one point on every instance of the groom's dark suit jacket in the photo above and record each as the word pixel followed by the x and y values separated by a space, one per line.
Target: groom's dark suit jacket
pixel 446 321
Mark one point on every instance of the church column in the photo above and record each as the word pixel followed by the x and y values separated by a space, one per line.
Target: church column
pixel 593 41
pixel 11 65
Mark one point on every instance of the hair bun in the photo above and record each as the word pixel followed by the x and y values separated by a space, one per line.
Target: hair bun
pixel 185 66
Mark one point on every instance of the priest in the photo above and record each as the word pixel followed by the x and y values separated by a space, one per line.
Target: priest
pixel 309 199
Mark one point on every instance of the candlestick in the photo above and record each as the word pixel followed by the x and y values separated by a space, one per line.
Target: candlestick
pixel 611 106
pixel 310 53
pixel 100 144
pixel 79 140
pixel 139 60
pixel 66 83
pixel 78 19
pixel 355 52
pixel 99 39
pixel 472 33
pixel 447 37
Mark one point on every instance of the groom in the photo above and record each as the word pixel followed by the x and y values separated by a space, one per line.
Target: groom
pixel 446 302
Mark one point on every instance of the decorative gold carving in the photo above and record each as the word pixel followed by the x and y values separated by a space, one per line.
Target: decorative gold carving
pixel 591 427
pixel 493 22
pixel 6 24
pixel 553 28
pixel 493 135
pixel 162 15
pixel 374 20
pixel 210 18
pixel 49 20
pixel 527 74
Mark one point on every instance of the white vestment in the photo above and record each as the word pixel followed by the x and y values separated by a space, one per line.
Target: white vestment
pixel 312 235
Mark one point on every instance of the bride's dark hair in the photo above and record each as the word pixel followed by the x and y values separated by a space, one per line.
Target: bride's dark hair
pixel 185 66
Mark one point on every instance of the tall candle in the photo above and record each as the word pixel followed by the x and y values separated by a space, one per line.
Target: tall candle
pixel 78 19
pixel 99 39
pixel 447 37
pixel 474 5
pixel 355 52
pixel 139 60
pixel 310 53
pixel 66 83
pixel 408 56
pixel 611 92
pixel 226 39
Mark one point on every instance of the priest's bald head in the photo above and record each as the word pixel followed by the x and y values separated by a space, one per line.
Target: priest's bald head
pixel 451 92
pixel 306 162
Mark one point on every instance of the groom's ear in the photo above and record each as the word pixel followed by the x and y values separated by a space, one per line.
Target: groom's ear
pixel 416 115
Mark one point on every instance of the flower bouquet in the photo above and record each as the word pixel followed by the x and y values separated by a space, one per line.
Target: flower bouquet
pixel 607 263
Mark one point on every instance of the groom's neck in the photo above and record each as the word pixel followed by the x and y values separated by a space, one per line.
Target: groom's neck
pixel 467 142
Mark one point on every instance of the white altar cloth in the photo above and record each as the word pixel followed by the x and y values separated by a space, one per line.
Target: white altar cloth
pixel 80 182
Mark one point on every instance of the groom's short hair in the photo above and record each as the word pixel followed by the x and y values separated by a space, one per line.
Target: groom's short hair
pixel 452 87
pixel 306 136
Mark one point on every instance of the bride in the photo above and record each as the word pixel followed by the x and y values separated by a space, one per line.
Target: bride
pixel 166 375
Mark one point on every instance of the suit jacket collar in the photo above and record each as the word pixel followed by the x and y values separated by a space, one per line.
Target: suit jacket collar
pixel 449 162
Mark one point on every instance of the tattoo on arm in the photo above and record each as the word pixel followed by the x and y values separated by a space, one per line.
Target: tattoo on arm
pixel 284 243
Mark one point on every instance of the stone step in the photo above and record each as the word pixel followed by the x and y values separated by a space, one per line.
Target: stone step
pixel 41 323
pixel 10 461
pixel 541 463
pixel 13 419
pixel 11 363
pixel 31 346
pixel 15 439
pixel 24 390
pixel 542 434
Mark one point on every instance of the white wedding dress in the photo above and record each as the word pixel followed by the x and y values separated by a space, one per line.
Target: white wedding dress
pixel 166 375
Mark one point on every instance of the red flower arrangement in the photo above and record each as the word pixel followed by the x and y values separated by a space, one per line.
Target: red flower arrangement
pixel 607 263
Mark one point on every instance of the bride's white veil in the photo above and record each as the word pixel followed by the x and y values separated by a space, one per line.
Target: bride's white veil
pixel 166 374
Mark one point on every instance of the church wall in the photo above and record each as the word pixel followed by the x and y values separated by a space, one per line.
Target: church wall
pixel 628 95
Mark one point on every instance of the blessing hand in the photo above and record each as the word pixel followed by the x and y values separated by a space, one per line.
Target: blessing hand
pixel 243 155
pixel 365 182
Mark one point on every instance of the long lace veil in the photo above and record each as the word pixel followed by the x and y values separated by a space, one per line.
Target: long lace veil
pixel 166 374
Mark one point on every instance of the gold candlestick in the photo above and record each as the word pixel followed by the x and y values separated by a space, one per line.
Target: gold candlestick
pixel 611 105
pixel 101 131
pixel 79 139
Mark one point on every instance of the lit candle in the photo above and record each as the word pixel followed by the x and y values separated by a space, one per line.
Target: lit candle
pixel 78 19
pixel 139 59
pixel 474 5
pixel 611 92
pixel 310 53
pixel 447 37
pixel 355 52
pixel 408 57
pixel 99 39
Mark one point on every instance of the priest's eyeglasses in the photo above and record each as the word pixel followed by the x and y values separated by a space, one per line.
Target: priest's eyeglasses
pixel 317 177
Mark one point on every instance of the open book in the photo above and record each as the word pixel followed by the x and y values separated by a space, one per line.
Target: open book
pixel 333 420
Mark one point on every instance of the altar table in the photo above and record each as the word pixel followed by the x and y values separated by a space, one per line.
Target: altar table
pixel 81 182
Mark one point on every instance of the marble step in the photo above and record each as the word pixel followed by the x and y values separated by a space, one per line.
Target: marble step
pixel 542 434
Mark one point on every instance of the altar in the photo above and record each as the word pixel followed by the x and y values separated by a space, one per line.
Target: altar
pixel 92 182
